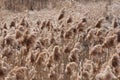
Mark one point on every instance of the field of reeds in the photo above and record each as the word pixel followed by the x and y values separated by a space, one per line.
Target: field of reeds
pixel 64 40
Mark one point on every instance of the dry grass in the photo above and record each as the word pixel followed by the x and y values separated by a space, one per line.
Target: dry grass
pixel 78 41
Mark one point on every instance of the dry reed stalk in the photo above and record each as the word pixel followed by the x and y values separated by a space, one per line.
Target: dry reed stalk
pixel 106 75
pixel 69 20
pixel 114 23
pixel 108 43
pixel 12 24
pixel 73 57
pixel 98 24
pixel 18 34
pixel 62 14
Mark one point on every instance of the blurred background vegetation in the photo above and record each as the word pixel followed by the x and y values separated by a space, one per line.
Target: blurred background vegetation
pixel 20 5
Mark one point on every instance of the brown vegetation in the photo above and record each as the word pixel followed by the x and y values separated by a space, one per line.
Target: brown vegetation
pixel 77 42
